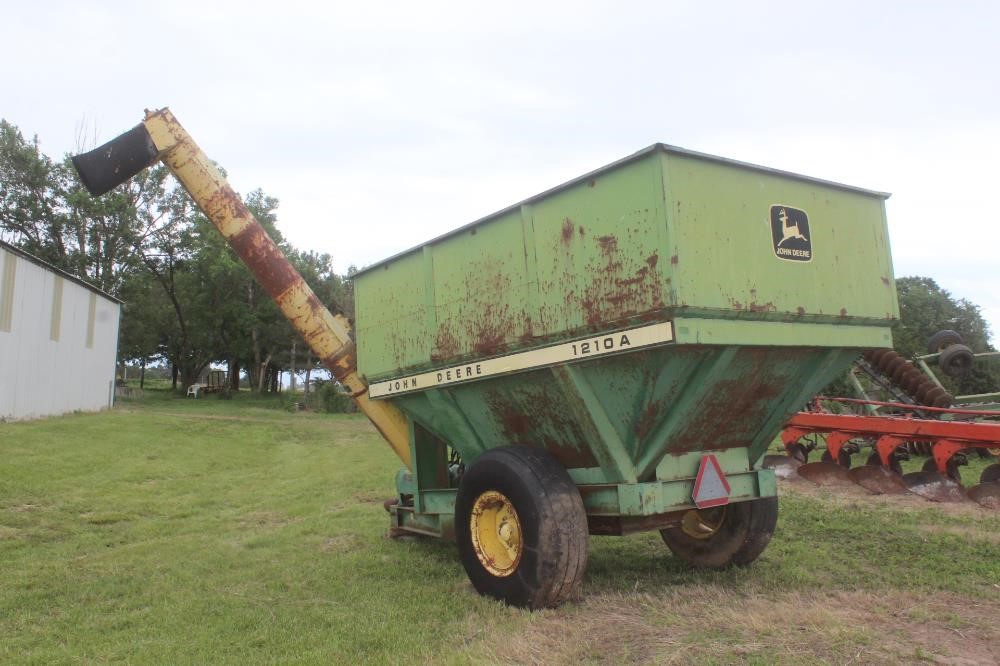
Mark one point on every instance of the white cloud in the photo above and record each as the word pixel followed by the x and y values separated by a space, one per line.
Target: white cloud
pixel 380 124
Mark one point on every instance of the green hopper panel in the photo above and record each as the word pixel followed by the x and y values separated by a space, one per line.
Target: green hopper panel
pixel 767 283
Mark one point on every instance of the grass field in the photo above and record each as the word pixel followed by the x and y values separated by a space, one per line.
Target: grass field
pixel 182 531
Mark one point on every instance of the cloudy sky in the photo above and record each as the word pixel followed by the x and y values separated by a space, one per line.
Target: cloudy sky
pixel 379 125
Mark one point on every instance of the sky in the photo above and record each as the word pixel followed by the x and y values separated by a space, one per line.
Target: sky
pixel 379 125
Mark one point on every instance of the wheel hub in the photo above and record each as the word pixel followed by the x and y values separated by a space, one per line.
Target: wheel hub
pixel 496 533
pixel 703 523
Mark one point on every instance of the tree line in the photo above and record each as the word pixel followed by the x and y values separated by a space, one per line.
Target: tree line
pixel 926 308
pixel 190 302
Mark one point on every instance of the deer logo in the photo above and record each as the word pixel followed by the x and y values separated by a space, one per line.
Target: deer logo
pixel 790 233
pixel 789 229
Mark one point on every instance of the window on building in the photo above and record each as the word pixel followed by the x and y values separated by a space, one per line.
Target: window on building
pixel 57 298
pixel 7 273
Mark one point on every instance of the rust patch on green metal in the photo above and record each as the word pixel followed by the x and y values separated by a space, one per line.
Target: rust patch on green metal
pixel 567 230
pixel 536 418
pixel 614 292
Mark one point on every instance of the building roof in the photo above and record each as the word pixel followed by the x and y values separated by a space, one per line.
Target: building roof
pixel 58 271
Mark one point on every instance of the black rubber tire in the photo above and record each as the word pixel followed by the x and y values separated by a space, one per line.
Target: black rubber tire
pixel 742 537
pixel 553 525
pixel 990 474
pixel 844 459
pixel 942 340
pixel 956 360
pixel 894 465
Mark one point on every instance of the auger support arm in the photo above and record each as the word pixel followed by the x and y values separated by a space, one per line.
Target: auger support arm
pixel 161 137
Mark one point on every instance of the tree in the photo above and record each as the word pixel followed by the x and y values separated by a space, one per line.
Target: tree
pixel 146 321
pixel 106 233
pixel 335 291
pixel 188 298
pixel 45 210
pixel 29 201
pixel 924 309
pixel 219 311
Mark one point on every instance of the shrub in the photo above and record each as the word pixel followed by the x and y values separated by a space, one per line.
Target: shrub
pixel 332 399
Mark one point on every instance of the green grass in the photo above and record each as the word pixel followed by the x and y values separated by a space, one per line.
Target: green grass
pixel 184 531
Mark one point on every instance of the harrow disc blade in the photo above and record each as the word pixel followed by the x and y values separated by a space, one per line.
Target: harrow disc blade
pixel 825 474
pixel 987 494
pixel 934 486
pixel 878 480
pixel 784 466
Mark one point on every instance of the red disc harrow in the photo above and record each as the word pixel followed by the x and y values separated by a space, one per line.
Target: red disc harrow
pixel 845 433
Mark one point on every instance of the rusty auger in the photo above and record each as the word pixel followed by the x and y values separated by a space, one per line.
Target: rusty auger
pixel 161 137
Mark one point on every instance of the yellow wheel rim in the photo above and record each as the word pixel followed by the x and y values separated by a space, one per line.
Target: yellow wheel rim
pixel 995 451
pixel 496 533
pixel 704 523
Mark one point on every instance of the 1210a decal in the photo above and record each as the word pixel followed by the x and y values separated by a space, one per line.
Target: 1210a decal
pixel 608 343
pixel 563 352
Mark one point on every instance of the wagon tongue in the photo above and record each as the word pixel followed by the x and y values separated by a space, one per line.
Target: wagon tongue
pixel 878 480
pixel 934 486
pixel 825 474
pixel 987 494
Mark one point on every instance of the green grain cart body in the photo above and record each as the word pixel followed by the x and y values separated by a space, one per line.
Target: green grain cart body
pixel 629 321
pixel 612 355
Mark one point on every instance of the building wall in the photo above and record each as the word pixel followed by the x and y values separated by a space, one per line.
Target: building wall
pixel 58 342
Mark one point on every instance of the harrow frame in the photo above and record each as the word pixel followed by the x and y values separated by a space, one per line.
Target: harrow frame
pixel 890 432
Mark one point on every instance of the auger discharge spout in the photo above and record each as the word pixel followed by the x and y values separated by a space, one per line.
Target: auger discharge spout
pixel 161 138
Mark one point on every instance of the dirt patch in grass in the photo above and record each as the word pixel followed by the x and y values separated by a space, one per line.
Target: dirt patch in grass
pixel 342 543
pixel 372 496
pixel 966 532
pixel 705 624
pixel 213 417
pixel 22 508
pixel 106 518
pixel 264 520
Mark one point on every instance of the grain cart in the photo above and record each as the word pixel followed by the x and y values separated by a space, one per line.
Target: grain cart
pixel 612 355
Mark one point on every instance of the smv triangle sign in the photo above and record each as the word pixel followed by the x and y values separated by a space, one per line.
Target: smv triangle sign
pixel 710 486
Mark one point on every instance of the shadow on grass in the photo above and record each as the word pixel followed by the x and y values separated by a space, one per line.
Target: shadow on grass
pixel 820 546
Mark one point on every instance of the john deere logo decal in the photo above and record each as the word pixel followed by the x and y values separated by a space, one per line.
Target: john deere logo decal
pixel 790 233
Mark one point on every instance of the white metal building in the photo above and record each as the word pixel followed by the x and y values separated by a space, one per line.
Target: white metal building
pixel 58 340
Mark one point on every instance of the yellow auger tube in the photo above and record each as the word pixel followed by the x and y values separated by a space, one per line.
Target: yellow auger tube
pixel 327 335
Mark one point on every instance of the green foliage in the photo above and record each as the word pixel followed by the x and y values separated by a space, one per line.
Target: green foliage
pixel 45 211
pixel 29 197
pixel 925 308
pixel 188 298
pixel 332 399
pixel 147 319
